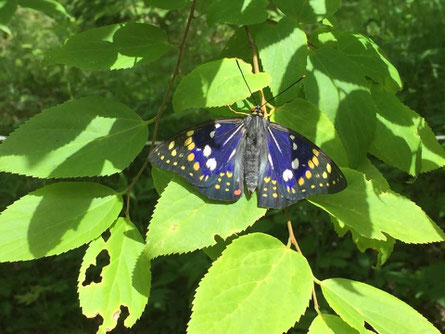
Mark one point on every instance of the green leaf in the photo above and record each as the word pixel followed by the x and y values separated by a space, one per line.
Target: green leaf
pixel 125 281
pixel 258 285
pixel 370 211
pixel 185 221
pixel 161 178
pixel 366 53
pixel 55 219
pixel 338 87
pixel 403 139
pixel 330 324
pixel 308 11
pixel 51 8
pixel 384 248
pixel 357 302
pixel 167 4
pixel 203 86
pixel 111 47
pixel 85 137
pixel 305 118
pixel 243 12
pixel 283 52
pixel 7 10
pixel 372 173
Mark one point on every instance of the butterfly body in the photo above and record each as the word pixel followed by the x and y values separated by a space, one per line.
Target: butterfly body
pixel 219 158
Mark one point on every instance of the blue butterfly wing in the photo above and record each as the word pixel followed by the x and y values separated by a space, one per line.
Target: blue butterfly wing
pixel 208 156
pixel 294 168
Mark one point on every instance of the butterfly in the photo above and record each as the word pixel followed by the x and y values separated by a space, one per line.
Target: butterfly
pixel 223 157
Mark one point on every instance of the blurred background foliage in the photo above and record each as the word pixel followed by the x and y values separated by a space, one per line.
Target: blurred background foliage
pixel 40 296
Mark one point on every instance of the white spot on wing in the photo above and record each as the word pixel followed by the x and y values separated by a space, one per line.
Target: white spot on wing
pixel 292 137
pixel 269 157
pixel 295 163
pixel 212 134
pixel 207 151
pixel 287 175
pixel 217 125
pixel 294 146
pixel 211 164
pixel 232 154
pixel 234 132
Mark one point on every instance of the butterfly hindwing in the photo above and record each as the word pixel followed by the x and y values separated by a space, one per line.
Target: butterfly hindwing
pixel 294 168
pixel 207 156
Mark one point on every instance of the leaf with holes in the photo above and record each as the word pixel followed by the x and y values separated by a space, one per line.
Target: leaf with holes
pixel 305 118
pixel 358 303
pixel 86 137
pixel 111 47
pixel 184 221
pixel 124 282
pixel 371 212
pixel 237 12
pixel 203 87
pixel 337 85
pixel 55 219
pixel 283 52
pixel 258 285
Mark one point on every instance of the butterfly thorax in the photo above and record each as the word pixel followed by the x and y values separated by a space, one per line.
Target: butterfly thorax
pixel 255 148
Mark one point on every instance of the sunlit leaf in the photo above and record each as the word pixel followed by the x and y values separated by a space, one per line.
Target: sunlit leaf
pixel 124 281
pixel 338 87
pixel 85 137
pixel 217 83
pixel 358 302
pixel 330 324
pixel 283 51
pixel 111 47
pixel 185 221
pixel 258 285
pixel 370 212
pixel 55 219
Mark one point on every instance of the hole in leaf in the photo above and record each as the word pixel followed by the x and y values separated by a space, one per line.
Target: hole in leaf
pixel 120 317
pixel 369 327
pixel 93 273
pixel 106 235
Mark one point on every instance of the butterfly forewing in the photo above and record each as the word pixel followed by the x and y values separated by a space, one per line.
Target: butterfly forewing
pixel 207 156
pixel 295 168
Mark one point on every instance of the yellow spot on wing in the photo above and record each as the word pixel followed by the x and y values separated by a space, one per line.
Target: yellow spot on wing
pixel 313 186
pixel 190 157
pixel 325 175
pixel 190 133
pixel 229 175
pixel 183 167
pixel 162 157
pixel 217 186
pixel 201 177
pixel 196 165
pixel 308 174
pixel 228 183
pixel 311 164
pixel 320 184
pixel 174 153
pixel 188 141
pixel 303 190
pixel 293 191
pixel 221 174
pixel 167 161
pixel 274 195
pixel 316 153
pixel 265 189
pixel 191 174
pixel 171 145
pixel 329 168
pixel 191 146
pixel 175 163
pixel 227 189
pixel 267 179
pixel 315 160
pixel 274 181
pixel 300 181
pixel 264 195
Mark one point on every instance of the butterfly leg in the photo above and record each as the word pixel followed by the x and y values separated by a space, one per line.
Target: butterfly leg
pixel 270 113
pixel 236 112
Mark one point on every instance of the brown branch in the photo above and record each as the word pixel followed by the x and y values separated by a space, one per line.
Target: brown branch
pixel 256 66
pixel 294 242
pixel 162 106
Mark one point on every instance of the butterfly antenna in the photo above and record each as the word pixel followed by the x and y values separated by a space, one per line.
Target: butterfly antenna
pixel 302 77
pixel 242 74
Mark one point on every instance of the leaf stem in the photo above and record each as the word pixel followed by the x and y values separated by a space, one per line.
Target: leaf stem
pixel 256 66
pixel 157 118
pixel 294 242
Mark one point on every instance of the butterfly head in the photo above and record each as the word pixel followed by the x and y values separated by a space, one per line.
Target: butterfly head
pixel 257 111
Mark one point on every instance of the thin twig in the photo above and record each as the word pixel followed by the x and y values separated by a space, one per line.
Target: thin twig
pixel 256 65
pixel 161 107
pixel 294 242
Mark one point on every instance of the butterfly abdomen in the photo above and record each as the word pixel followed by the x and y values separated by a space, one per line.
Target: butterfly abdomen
pixel 254 150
